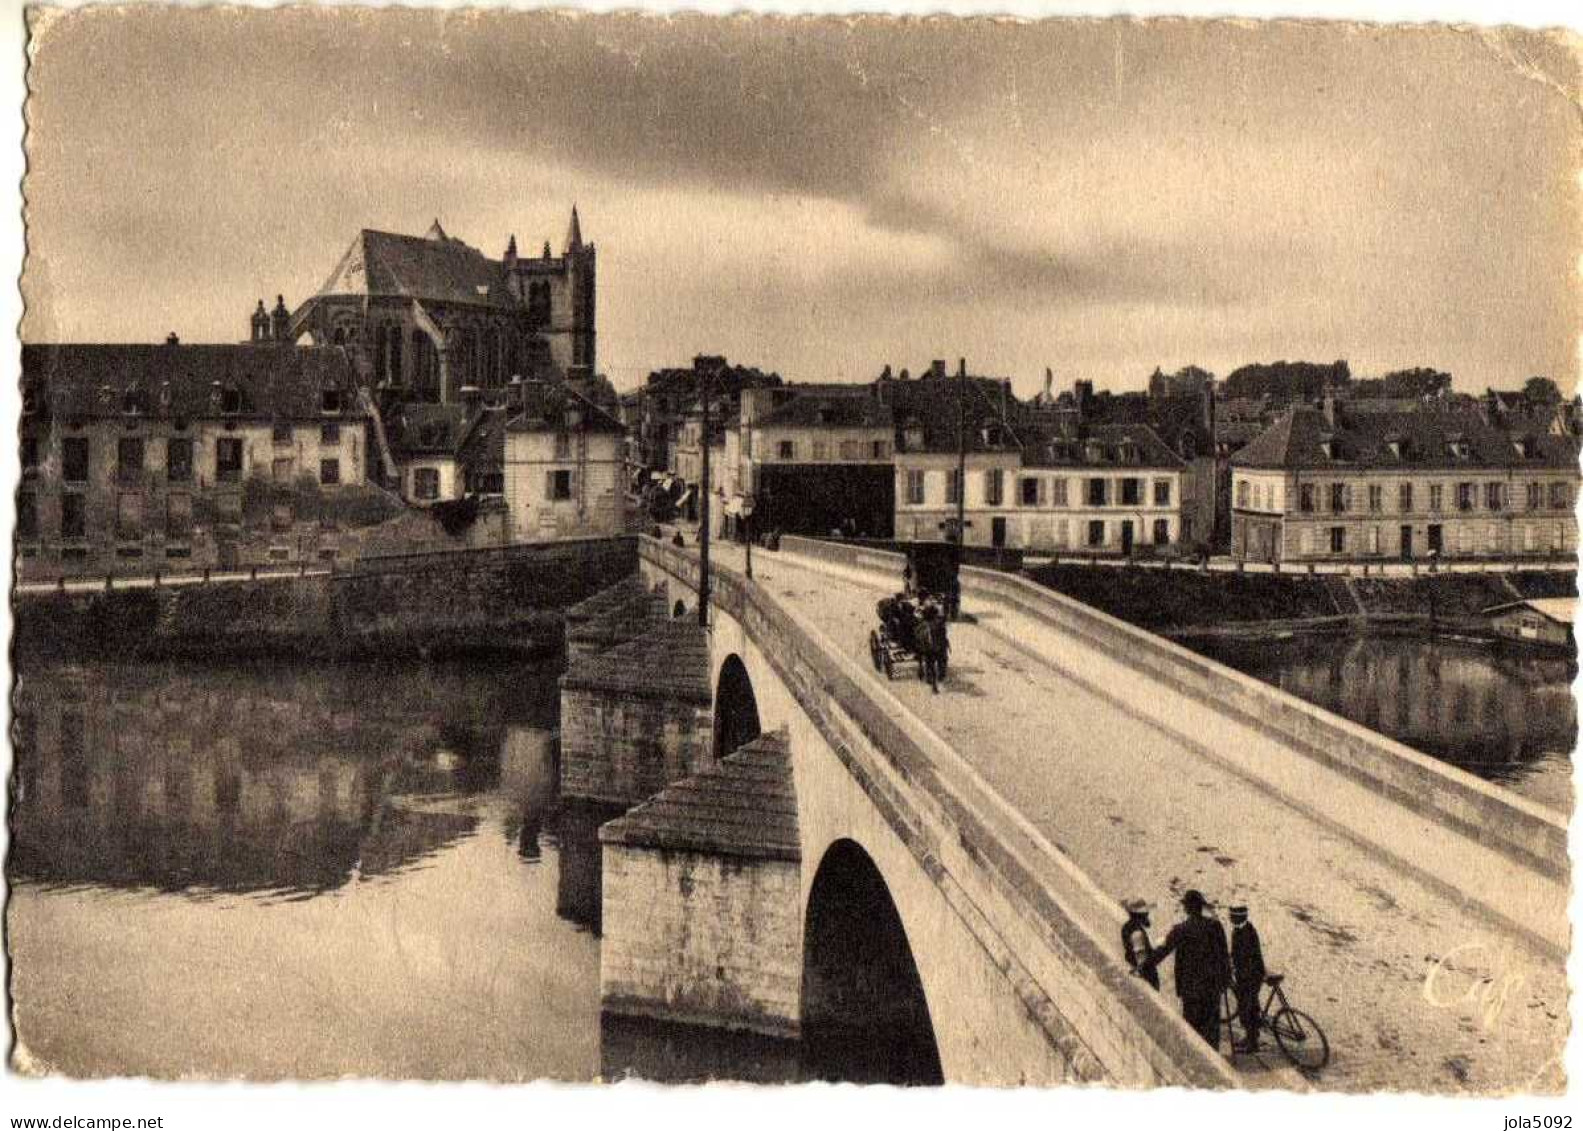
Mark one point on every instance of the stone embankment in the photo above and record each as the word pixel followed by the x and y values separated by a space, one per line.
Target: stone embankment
pixel 510 599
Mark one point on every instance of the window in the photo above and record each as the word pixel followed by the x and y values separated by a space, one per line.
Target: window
pixel 73 516
pixel 1058 491
pixel 228 459
pixel 953 487
pixel 1465 496
pixel 1131 492
pixel 1028 492
pixel 426 482
pixel 1561 496
pixel 559 485
pixel 1536 496
pixel 281 469
pixel 1305 541
pixel 851 450
pixel 1162 494
pixel 879 449
pixel 128 458
pixel 330 433
pixel 330 400
pixel 914 487
pixel 1242 493
pixel 74 459
pixel 1376 498
pixel 1529 541
pixel 1374 539
pixel 231 401
pixel 281 432
pixel 1404 498
pixel 786 449
pixel 178 460
pixel 994 489
pixel 1096 493
pixel 1305 498
pixel 178 517
pixel 1436 496
pixel 1492 538
pixel 821 451
pixel 1338 498
pixel 329 472
pixel 1338 539
pixel 1492 496
pixel 1096 533
pixel 129 516
pixel 27 515
pixel 563 444
pixel 1162 532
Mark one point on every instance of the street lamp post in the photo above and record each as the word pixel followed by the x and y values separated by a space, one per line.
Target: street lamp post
pixel 747 524
pixel 703 513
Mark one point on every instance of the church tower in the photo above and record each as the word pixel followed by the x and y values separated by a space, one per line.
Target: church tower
pixel 580 273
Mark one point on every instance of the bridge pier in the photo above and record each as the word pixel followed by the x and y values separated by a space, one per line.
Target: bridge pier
pixel 636 717
pixel 702 899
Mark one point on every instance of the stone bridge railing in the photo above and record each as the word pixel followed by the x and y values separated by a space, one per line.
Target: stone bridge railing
pixel 1492 817
pixel 1041 918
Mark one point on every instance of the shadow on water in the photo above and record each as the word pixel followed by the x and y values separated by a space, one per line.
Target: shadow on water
pixel 189 778
pixel 1506 716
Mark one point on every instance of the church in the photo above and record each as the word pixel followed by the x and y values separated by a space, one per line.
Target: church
pixel 424 317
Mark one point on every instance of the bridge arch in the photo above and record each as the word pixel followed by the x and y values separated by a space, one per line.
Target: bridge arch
pixel 736 714
pixel 864 1015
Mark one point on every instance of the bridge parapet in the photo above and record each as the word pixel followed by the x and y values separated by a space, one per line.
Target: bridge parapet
pixel 1034 916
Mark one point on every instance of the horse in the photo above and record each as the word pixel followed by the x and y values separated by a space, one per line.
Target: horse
pixel 933 648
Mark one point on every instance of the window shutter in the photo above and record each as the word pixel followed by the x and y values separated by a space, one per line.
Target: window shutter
pixel 571 483
pixel 549 484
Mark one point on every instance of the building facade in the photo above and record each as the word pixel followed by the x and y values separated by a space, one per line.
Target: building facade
pixel 1330 484
pixel 137 459
pixel 562 465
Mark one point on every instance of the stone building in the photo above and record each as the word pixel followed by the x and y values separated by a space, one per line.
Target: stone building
pixel 174 457
pixel 424 316
pixel 1331 483
pixel 562 473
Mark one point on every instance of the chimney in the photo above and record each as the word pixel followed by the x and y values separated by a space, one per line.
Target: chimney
pixel 1049 383
pixel 171 339
pixel 961 367
pixel 937 368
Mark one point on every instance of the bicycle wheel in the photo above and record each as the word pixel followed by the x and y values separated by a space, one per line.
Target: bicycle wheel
pixel 1301 1039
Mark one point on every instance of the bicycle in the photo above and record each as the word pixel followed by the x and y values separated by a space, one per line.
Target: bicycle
pixel 1297 1035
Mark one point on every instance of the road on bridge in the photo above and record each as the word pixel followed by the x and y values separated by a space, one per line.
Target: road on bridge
pixel 1415 994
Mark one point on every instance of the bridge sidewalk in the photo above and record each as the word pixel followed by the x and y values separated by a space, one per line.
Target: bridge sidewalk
pixel 1151 792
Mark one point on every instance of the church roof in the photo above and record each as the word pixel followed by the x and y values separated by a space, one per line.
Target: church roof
pixel 435 267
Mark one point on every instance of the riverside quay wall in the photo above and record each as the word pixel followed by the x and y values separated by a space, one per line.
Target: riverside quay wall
pixel 510 599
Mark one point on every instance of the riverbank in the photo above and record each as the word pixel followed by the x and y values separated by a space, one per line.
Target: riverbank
pixel 1184 604
pixel 509 600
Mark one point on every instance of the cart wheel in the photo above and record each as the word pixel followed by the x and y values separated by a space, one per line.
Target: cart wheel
pixel 875 652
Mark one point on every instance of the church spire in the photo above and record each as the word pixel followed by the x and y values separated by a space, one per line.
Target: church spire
pixel 574 234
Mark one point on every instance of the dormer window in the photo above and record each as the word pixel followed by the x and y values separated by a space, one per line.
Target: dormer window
pixel 912 436
pixel 992 436
pixel 1459 448
pixel 129 403
pixel 1328 447
pixel 231 401
pixel 1394 446
pixel 330 400
pixel 30 399
pixel 1524 447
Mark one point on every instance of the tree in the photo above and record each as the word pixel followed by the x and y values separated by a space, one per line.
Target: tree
pixel 1541 390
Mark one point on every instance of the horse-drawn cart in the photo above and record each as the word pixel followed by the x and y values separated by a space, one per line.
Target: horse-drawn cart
pixel 907 635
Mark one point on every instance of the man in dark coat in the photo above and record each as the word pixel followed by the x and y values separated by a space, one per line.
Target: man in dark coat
pixel 1135 942
pixel 1247 975
pixel 1203 966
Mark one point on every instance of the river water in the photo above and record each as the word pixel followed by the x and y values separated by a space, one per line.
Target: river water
pixel 274 871
pixel 1507 716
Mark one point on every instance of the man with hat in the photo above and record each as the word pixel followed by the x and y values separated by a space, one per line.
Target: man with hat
pixel 1135 942
pixel 1203 967
pixel 1247 975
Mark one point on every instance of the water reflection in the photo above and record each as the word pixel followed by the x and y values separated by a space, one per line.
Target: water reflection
pixel 1506 716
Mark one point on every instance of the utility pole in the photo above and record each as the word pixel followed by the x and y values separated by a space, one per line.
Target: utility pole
pixel 961 453
pixel 703 511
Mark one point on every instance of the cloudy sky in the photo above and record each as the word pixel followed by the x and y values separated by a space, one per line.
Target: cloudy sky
pixel 825 197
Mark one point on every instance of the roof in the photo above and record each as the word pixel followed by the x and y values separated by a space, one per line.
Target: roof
pixel 668 661
pixel 743 806
pixel 261 381
pixel 1424 438
pixel 933 406
pixel 429 429
pixel 1105 445
pixel 546 406
pixel 818 410
pixel 1558 609
pixel 434 266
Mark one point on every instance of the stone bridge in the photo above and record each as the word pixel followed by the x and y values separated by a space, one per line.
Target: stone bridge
pixel 924 888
